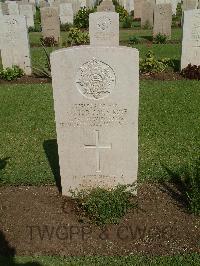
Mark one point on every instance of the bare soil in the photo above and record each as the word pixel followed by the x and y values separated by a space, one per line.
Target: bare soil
pixel 39 221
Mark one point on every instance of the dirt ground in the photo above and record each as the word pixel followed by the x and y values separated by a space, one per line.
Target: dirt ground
pixel 39 221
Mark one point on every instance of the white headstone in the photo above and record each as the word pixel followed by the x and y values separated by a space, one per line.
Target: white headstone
pixel 14 43
pixel 96 98
pixel 162 19
pixel 66 13
pixel 191 38
pixel 27 11
pixel 104 29
pixel 13 8
pixel 50 22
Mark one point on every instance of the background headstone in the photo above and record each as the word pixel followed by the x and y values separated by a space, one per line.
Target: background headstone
pixel 14 43
pixel 162 19
pixel 104 29
pixel 189 4
pixel 96 98
pixel 147 14
pixel 27 11
pixel 138 8
pixel 191 38
pixel 106 6
pixel 66 13
pixel 50 22
pixel 13 8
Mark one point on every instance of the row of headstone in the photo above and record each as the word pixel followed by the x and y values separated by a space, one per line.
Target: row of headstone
pixel 136 5
pixel 19 8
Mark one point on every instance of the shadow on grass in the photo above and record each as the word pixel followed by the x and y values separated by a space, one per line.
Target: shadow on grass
pixel 185 187
pixel 175 188
pixel 51 150
pixel 7 254
pixel 3 163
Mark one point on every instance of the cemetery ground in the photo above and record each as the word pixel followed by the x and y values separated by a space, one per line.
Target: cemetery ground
pixel 33 209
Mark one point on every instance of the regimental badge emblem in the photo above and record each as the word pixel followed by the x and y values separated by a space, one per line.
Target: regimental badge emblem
pixel 95 79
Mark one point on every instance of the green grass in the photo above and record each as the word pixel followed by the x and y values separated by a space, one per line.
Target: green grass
pixel 179 260
pixel 27 120
pixel 169 126
pixel 169 129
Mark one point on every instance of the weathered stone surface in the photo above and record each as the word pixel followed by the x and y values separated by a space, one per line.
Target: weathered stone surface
pixel 50 22
pixel 27 11
pixel 14 43
pixel 96 98
pixel 13 8
pixel 147 14
pixel 162 19
pixel 189 4
pixel 138 8
pixel 66 13
pixel 191 38
pixel 104 29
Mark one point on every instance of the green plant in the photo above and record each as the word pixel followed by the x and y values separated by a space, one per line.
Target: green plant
pixel 134 40
pixel 122 12
pixel 37 20
pixel 127 22
pixel 106 206
pixel 49 41
pixel 160 38
pixel 77 37
pixel 191 72
pixel 81 20
pixel 187 180
pixel 66 26
pixel 36 28
pixel 11 73
pixel 44 71
pixel 147 26
pixel 152 65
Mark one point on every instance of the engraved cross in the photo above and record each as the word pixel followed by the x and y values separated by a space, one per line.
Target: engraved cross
pixel 98 147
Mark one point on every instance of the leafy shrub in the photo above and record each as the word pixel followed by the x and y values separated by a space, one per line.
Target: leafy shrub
pixel 77 37
pixel 152 65
pixel 122 12
pixel 134 40
pixel 147 26
pixel 160 38
pixel 176 19
pixel 49 41
pixel 66 26
pixel 81 20
pixel 105 206
pixel 36 28
pixel 187 180
pixel 127 22
pixel 11 73
pixel 191 72
pixel 37 20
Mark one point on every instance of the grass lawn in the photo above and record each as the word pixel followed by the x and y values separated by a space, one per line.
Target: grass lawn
pixel 169 129
pixel 192 259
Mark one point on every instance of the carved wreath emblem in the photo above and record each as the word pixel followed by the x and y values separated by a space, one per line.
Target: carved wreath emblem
pixel 104 23
pixel 95 79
